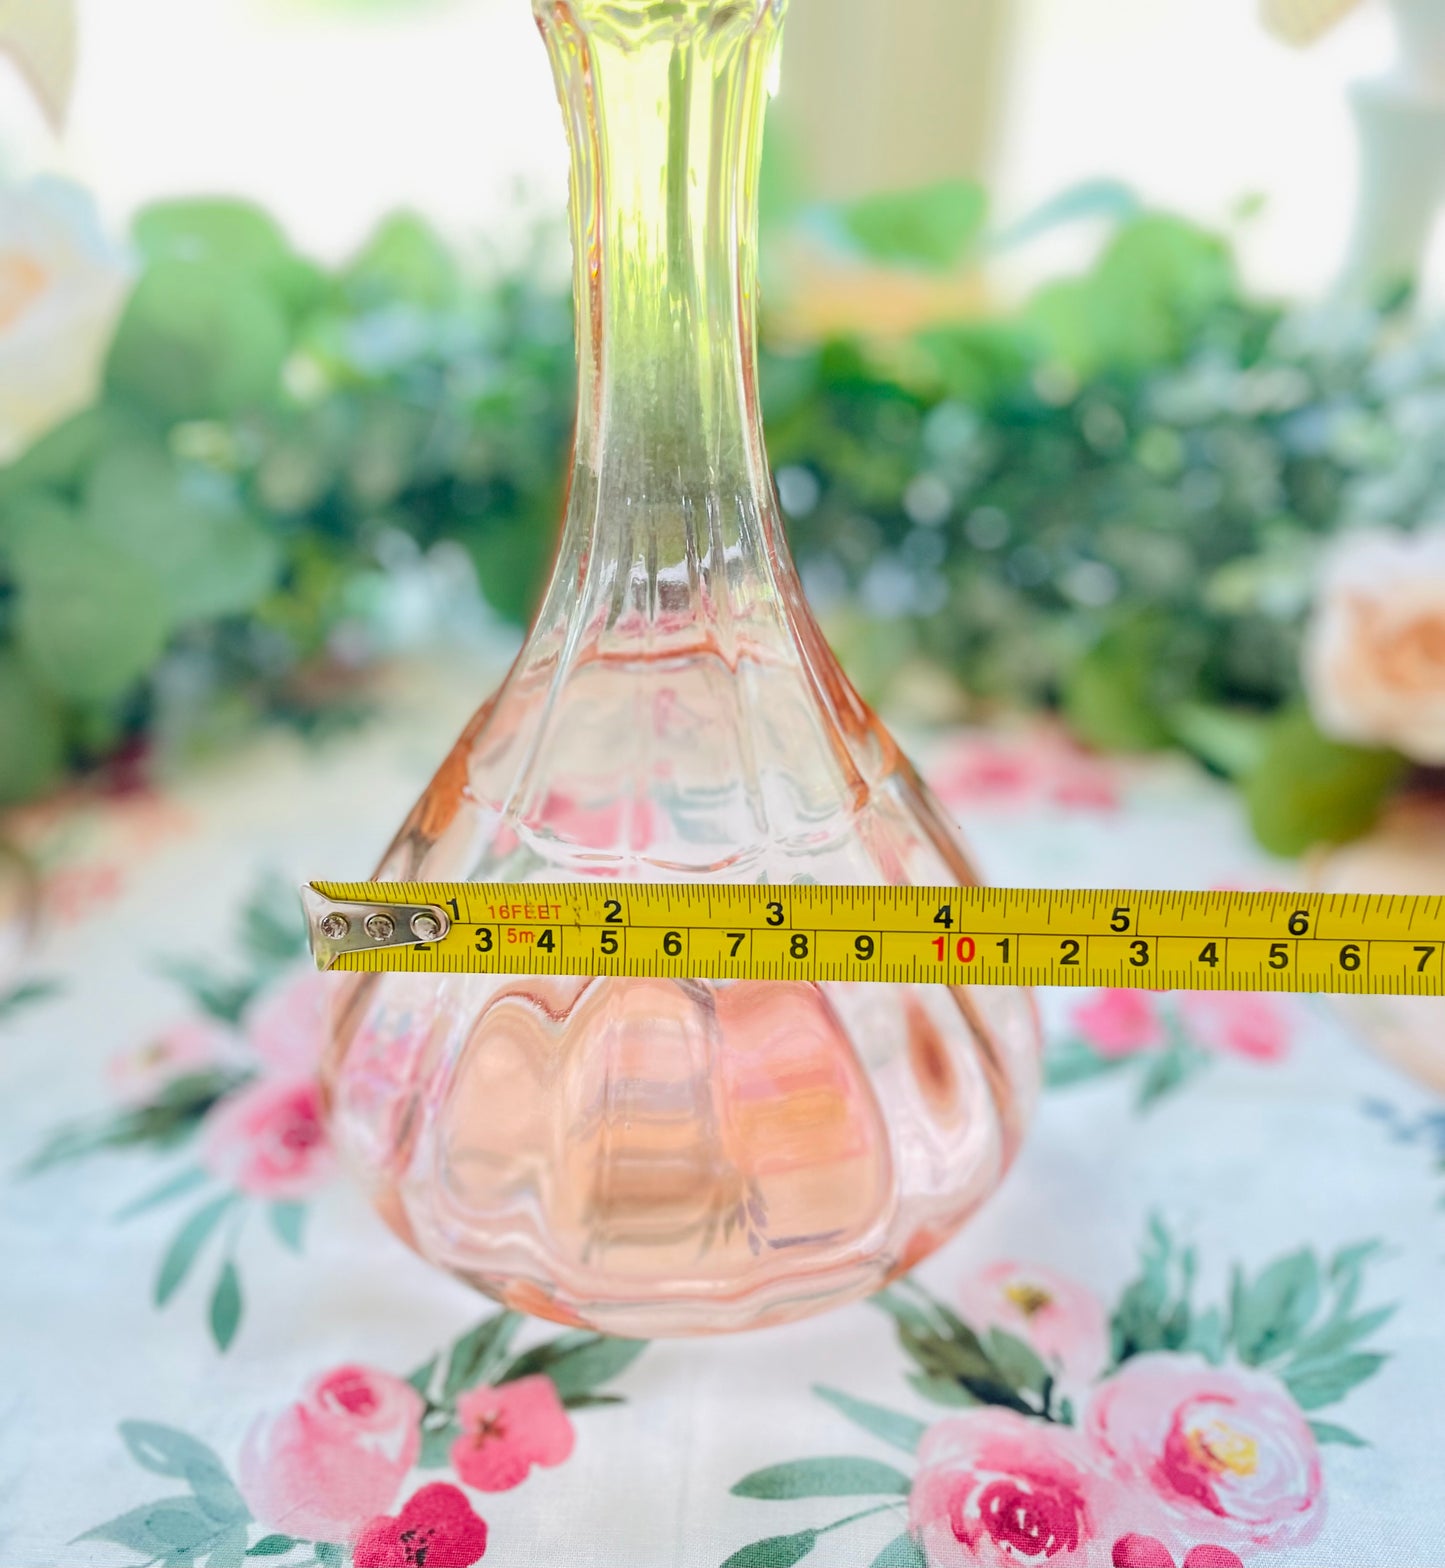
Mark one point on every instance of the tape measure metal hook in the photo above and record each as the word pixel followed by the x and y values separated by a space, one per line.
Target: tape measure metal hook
pixel 1149 940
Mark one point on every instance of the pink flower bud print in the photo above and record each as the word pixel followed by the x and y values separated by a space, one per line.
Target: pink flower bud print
pixel 437 1529
pixel 507 1430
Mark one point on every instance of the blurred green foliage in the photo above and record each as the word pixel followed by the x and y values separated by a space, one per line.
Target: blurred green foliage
pixel 1113 502
pixel 1108 501
pixel 189 553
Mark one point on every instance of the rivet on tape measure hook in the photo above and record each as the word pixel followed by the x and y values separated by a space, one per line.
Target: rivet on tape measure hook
pixel 1152 940
pixel 338 926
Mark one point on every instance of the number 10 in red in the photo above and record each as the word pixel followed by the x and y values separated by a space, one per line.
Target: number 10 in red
pixel 963 949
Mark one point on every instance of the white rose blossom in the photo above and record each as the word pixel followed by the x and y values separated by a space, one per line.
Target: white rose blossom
pixel 62 286
pixel 1374 657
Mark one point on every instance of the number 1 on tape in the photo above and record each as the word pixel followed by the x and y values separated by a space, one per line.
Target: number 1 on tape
pixel 926 936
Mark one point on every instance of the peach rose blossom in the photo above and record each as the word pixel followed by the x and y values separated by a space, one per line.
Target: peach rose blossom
pixel 995 1489
pixel 326 1465
pixel 507 1430
pixel 1374 656
pixel 285 1025
pixel 1119 1022
pixel 1064 1321
pixel 1225 1449
pixel 1237 1023
pixel 268 1139
pixel 136 1076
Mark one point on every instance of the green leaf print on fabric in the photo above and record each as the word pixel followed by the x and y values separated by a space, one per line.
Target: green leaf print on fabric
pixel 775 1551
pixel 902 1431
pixel 1063 1419
pixel 175 1531
pixel 901 1552
pixel 166 1451
pixel 331 1465
pixel 226 1300
pixel 236 1086
pixel 476 1355
pixel 832 1477
pixel 25 995
pixel 1163 1042
pixel 182 1253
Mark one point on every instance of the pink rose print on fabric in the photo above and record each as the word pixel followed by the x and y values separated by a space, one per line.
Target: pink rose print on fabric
pixel 1042 766
pixel 268 1139
pixel 1162 1040
pixel 1175 1462
pixel 72 894
pixel 1119 1022
pixel 137 1076
pixel 1063 1320
pixel 626 823
pixel 1144 1551
pixel 1225 1449
pixel 286 1023
pixel 327 1465
pixel 507 1430
pixel 1237 1023
pixel 998 1489
pixel 436 1529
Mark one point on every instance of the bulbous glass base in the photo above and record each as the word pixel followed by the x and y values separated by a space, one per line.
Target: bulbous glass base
pixel 652 1157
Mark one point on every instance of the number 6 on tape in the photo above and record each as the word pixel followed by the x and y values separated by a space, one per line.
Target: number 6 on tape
pixel 923 936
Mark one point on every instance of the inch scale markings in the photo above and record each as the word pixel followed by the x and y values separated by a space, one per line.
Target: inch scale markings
pixel 947 936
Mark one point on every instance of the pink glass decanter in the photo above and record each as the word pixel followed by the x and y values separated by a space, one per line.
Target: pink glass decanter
pixel 659 1156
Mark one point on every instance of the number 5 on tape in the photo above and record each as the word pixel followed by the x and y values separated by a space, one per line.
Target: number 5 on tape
pixel 921 936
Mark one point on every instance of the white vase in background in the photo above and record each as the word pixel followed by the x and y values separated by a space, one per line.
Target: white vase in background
pixel 1400 118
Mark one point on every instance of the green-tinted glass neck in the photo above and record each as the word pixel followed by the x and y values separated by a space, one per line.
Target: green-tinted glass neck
pixel 664 105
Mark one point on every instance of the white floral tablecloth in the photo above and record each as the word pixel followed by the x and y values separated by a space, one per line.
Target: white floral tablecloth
pixel 1201 1324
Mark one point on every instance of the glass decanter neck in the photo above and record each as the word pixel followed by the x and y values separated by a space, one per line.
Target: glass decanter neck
pixel 664 107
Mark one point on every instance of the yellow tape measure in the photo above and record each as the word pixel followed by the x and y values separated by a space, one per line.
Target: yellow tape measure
pixel 939 936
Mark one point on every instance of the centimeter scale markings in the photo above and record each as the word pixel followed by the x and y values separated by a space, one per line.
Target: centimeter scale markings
pixel 946 936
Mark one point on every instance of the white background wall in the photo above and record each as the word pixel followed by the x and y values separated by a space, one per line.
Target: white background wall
pixel 331 115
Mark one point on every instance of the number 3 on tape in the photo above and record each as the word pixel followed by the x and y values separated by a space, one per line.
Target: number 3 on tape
pixel 924 936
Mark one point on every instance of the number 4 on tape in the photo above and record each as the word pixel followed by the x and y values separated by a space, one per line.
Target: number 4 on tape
pixel 925 936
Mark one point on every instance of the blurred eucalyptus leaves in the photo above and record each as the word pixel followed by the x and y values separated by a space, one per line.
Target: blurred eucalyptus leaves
pixel 1112 500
